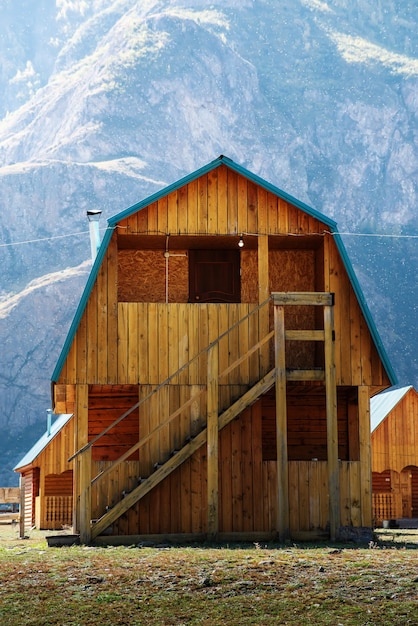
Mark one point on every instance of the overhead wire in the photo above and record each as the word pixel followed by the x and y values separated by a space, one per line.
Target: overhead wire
pixel 86 232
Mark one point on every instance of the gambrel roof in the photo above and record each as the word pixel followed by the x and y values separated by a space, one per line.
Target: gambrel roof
pixel 223 161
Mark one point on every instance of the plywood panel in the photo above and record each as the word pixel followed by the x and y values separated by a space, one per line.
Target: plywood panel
pixel 249 276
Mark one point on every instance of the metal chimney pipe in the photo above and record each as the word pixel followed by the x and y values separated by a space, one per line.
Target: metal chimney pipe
pixel 48 421
pixel 93 216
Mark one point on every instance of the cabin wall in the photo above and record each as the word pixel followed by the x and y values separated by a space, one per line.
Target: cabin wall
pixel 395 441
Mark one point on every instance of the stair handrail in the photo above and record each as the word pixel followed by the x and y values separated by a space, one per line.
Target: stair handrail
pixel 165 382
pixel 139 444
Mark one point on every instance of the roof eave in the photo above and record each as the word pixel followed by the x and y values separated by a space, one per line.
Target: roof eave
pixel 239 169
pixel 82 304
pixel 365 309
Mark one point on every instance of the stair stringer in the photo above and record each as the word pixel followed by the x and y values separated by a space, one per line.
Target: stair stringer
pixel 248 398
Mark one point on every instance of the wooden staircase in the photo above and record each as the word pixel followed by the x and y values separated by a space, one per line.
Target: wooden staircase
pixel 215 421
pixel 180 456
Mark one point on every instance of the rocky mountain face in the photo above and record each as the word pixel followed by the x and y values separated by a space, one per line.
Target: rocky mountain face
pixel 105 102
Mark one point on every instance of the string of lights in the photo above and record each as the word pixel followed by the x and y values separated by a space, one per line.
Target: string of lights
pixel 86 232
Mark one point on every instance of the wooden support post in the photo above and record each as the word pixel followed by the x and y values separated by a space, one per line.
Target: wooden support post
pixel 365 456
pixel 22 507
pixel 332 423
pixel 281 426
pixel 84 460
pixel 80 439
pixel 213 440
pixel 263 294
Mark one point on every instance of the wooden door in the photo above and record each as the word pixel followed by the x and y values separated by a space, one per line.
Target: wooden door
pixel 214 276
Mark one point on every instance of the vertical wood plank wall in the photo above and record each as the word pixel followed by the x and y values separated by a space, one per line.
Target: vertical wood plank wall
pixel 247 490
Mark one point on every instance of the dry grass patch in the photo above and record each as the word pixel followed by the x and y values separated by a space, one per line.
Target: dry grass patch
pixel 212 585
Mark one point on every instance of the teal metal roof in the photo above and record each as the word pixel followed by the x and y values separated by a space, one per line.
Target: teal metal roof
pixel 43 441
pixel 222 160
pixel 382 404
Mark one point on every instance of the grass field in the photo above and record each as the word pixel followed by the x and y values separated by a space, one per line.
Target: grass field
pixel 226 585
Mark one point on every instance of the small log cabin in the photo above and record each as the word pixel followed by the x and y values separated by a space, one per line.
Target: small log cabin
pixel 46 478
pixel 394 443
pixel 219 368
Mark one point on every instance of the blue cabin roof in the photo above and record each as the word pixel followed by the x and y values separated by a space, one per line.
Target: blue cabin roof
pixel 43 441
pixel 222 160
pixel 382 404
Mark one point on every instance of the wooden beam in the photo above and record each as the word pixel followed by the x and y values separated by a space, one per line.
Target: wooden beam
pixel 281 426
pixel 301 375
pixel 332 424
pixel 245 356
pixel 247 399
pixel 303 298
pixel 305 335
pixel 213 440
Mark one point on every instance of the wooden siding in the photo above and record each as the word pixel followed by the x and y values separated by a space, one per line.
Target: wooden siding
pixel 166 337
pixel 395 441
pixel 247 490
pixel 357 360
pixel 107 404
pixel 220 203
pixel 53 459
pixel 307 427
pixel 107 329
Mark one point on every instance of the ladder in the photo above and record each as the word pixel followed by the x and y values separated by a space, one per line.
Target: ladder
pixel 328 375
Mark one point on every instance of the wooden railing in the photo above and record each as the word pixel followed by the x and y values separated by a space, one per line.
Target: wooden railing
pixel 58 512
pixel 386 506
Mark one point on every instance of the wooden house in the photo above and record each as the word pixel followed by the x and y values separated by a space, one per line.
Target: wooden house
pixel 46 477
pixel 220 367
pixel 394 442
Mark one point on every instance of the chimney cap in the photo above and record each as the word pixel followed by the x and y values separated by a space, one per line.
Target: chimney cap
pixel 94 215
